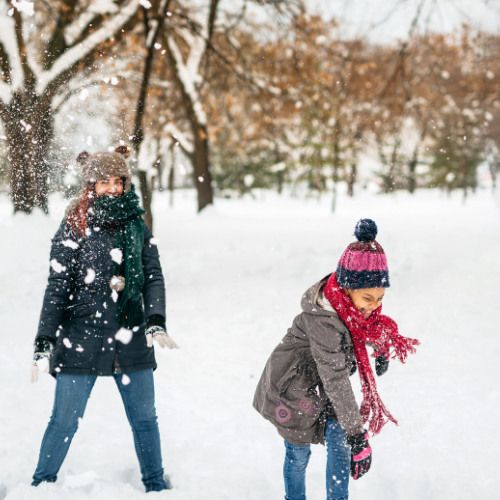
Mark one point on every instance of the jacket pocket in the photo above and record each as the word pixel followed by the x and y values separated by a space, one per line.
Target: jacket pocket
pixel 80 328
pixel 289 375
pixel 81 310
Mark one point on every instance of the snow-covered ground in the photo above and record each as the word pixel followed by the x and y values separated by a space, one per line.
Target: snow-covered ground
pixel 235 275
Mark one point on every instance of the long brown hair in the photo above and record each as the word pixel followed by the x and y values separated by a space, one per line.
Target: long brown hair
pixel 77 217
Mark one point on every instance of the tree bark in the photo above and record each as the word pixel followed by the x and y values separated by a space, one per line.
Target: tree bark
pixel 171 176
pixel 389 178
pixel 201 164
pixel 336 163
pixel 29 127
pixel 412 178
pixel 146 197
pixel 352 178
pixel 201 154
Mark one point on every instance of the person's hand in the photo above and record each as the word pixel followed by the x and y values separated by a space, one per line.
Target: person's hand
pixel 43 348
pixel 381 364
pixel 361 454
pixel 161 336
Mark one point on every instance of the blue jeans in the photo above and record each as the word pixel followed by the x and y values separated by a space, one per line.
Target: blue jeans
pixel 72 394
pixel 337 466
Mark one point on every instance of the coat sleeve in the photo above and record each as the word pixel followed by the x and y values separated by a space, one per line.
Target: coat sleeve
pixel 334 368
pixel 154 284
pixel 62 265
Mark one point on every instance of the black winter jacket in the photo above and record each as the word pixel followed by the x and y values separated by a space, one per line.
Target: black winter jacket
pixel 78 309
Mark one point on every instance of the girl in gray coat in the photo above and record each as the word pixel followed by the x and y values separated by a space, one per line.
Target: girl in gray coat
pixel 305 389
pixel 103 305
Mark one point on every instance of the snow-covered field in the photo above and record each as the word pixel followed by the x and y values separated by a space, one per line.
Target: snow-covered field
pixel 235 275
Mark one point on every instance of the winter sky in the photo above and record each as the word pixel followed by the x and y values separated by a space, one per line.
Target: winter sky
pixel 390 20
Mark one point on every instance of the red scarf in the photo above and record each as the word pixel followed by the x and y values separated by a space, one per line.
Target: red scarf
pixel 382 332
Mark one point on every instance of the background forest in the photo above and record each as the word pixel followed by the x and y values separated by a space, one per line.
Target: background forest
pixel 230 97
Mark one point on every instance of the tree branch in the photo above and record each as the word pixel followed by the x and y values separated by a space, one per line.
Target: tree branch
pixel 72 93
pixel 239 72
pixel 5 68
pixel 403 51
pixel 65 64
pixel 57 43
pixel 151 37
pixel 29 77
pixel 185 144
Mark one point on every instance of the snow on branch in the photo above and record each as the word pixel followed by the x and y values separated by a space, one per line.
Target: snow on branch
pixel 185 143
pixel 75 54
pixel 9 43
pixel 24 6
pixel 189 72
pixel 78 26
pixel 153 29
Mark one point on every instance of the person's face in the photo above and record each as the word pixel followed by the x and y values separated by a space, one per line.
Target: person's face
pixel 111 186
pixel 366 300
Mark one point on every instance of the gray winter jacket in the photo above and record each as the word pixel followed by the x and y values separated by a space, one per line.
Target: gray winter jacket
pixel 306 379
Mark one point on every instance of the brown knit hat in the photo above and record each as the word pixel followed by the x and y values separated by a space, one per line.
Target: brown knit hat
pixel 102 165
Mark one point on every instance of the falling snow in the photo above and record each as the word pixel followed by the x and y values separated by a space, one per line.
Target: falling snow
pixel 116 255
pixel 124 335
pixel 90 277
pixel 56 266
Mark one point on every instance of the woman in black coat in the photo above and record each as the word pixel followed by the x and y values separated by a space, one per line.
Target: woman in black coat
pixel 104 304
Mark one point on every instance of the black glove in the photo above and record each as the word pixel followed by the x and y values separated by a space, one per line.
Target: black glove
pixel 361 454
pixel 43 347
pixel 381 364
pixel 354 367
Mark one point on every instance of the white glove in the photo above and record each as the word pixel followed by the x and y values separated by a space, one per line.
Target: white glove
pixel 43 348
pixel 161 336
pixel 41 362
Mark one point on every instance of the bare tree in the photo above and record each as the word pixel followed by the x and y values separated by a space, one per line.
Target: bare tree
pixel 36 66
pixel 152 26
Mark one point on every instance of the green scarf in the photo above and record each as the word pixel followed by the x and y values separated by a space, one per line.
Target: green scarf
pixel 126 211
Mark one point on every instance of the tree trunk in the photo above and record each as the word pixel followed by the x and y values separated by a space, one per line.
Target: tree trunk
pixel 281 180
pixel 389 178
pixel 493 176
pixel 138 135
pixel 29 127
pixel 336 164
pixel 201 171
pixel 412 177
pixel 464 180
pixel 171 177
pixel 412 181
pixel 146 197
pixel 352 178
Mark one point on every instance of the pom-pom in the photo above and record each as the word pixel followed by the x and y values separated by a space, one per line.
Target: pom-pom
pixel 82 157
pixel 123 150
pixel 365 230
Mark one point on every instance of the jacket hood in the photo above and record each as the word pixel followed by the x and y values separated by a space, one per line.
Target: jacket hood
pixel 311 300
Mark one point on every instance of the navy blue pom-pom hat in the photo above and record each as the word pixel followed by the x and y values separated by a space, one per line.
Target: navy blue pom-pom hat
pixel 363 263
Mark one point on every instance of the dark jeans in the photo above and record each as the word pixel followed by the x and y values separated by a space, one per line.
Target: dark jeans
pixel 72 394
pixel 337 465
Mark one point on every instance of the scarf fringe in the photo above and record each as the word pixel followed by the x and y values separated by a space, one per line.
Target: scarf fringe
pixel 382 332
pixel 130 311
pixel 380 414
